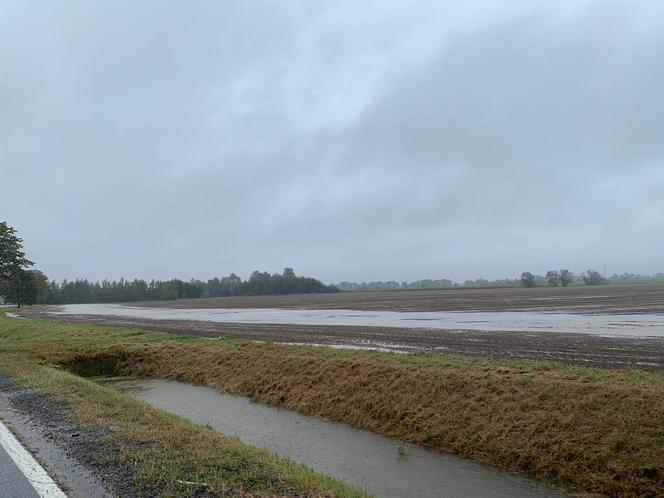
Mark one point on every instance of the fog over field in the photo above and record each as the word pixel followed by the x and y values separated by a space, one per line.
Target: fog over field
pixel 350 140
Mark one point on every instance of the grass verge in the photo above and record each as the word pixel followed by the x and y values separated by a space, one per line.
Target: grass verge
pixel 595 430
pixel 165 455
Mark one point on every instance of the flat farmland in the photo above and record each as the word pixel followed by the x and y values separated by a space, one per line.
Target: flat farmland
pixel 617 299
pixel 621 307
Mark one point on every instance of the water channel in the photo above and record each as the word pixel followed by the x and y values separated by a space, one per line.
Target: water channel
pixel 363 459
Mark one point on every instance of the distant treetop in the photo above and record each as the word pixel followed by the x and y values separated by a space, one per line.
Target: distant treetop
pixel 259 283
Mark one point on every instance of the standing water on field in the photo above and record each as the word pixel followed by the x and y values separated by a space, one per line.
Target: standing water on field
pixel 363 459
pixel 612 325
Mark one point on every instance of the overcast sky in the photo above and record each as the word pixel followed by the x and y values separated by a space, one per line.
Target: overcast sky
pixel 350 140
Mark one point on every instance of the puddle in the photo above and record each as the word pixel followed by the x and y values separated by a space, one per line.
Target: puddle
pixel 516 321
pixel 363 459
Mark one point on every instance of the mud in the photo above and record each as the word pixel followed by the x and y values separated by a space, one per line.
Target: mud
pixel 607 299
pixel 516 321
pixel 593 302
pixel 584 349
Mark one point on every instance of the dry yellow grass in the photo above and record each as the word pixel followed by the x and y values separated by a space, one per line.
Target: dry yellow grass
pixel 599 431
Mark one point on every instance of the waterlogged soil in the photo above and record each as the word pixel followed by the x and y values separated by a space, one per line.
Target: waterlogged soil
pixel 583 349
pixel 603 300
pixel 524 321
pixel 361 458
pixel 605 326
pixel 575 348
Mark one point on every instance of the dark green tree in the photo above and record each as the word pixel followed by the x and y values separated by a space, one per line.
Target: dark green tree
pixel 25 287
pixel 13 277
pixel 553 277
pixel 39 287
pixel 566 277
pixel 12 257
pixel 527 279
pixel 593 277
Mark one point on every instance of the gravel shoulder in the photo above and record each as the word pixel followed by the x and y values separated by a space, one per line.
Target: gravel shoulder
pixel 65 449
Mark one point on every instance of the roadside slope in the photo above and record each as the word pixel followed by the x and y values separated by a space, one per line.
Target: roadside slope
pixel 596 430
pixel 136 450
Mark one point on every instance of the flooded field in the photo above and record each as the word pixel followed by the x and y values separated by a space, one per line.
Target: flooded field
pixel 361 458
pixel 607 325
pixel 601 299
pixel 604 340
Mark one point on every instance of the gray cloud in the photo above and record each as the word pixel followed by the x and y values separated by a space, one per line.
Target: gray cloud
pixel 387 140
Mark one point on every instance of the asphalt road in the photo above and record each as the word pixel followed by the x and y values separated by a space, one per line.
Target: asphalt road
pixel 12 481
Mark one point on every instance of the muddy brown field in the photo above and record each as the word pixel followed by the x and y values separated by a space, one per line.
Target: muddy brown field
pixel 610 299
pixel 591 350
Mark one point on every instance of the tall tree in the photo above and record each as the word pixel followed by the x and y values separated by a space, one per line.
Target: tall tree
pixel 593 277
pixel 12 257
pixel 25 287
pixel 566 277
pixel 527 279
pixel 38 286
pixel 553 277
pixel 13 277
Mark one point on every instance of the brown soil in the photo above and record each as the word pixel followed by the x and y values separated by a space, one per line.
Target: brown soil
pixel 608 299
pixel 569 348
pixel 581 349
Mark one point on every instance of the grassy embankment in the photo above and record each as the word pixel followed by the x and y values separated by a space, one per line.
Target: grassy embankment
pixel 595 430
pixel 166 455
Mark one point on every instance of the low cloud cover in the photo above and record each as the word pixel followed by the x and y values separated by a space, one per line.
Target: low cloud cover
pixel 352 141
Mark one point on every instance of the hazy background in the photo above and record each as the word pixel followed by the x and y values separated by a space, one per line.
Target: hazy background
pixel 350 140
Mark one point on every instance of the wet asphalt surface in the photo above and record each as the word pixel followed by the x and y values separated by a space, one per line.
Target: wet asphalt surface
pixel 65 450
pixel 12 481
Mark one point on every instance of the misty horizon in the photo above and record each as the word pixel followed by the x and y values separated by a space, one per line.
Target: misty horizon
pixel 480 278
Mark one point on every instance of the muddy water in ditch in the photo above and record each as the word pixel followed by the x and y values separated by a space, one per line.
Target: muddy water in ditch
pixel 363 459
pixel 613 325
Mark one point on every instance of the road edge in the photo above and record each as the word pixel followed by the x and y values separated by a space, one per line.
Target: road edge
pixel 43 484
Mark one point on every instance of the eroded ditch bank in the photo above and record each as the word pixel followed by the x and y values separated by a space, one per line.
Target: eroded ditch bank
pixel 597 431
pixel 363 459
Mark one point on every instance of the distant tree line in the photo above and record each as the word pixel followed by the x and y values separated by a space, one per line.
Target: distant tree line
pixel 259 283
pixel 483 282
pixel 426 283
pixel 552 278
pixel 393 284
pixel 635 276
pixel 562 278
pixel 20 285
